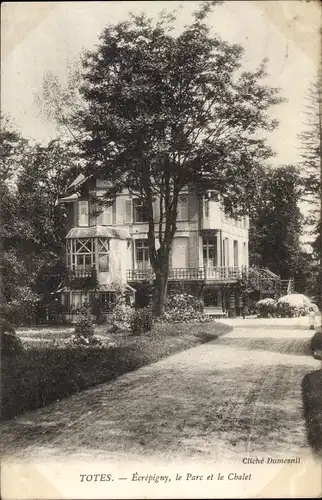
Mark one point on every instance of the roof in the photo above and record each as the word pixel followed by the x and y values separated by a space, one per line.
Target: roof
pixel 80 179
pixel 98 232
pixel 109 287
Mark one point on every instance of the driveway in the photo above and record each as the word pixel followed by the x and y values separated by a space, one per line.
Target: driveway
pixel 240 394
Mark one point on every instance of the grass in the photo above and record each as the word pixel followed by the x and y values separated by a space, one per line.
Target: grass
pixel 45 373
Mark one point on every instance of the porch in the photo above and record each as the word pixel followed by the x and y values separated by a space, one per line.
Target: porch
pixel 204 274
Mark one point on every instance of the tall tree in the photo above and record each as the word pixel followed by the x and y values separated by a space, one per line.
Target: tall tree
pixel 162 111
pixel 311 145
pixel 32 223
pixel 276 222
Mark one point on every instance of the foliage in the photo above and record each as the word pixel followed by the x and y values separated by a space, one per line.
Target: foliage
pixel 141 321
pixel 32 222
pixel 276 222
pixel 183 307
pixel 84 329
pixel 120 319
pixel 11 345
pixel 160 111
pixel 293 305
pixel 266 308
pixel 311 143
pixel 316 345
pixel 312 409
pixel 23 307
pixel 143 294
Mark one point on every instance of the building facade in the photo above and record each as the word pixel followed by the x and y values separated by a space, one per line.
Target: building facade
pixel 107 249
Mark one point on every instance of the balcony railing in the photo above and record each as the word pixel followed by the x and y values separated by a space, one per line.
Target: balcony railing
pixel 213 274
pixel 81 278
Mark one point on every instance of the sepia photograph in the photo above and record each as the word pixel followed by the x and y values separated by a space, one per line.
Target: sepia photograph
pixel 160 271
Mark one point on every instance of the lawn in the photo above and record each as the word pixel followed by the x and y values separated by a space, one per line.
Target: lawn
pixel 48 371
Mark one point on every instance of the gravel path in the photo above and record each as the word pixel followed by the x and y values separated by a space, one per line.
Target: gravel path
pixel 239 394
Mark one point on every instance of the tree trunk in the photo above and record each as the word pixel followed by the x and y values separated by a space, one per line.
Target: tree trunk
pixel 161 293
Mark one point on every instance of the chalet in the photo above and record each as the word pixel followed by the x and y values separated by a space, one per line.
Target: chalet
pixel 107 252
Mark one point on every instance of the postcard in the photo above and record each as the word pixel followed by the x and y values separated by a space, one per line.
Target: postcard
pixel 161 250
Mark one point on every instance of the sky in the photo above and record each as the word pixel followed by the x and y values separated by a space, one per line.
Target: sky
pixel 46 36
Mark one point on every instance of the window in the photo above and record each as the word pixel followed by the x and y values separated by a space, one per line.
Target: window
pixel 183 207
pixel 142 254
pixel 128 212
pixel 105 217
pixel 107 300
pixel 103 254
pixel 140 211
pixel 209 249
pixel 83 213
pixel 245 259
pixel 81 254
pixel 225 252
pixel 235 253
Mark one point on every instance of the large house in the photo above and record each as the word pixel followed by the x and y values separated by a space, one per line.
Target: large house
pixel 108 251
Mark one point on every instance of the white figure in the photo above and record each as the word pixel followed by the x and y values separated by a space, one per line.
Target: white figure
pixel 312 318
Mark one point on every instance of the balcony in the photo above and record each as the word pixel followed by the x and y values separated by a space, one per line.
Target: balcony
pixel 209 275
pixel 81 278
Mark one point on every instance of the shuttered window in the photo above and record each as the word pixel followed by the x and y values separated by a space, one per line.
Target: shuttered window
pixel 83 213
pixel 236 258
pixel 183 207
pixel 128 212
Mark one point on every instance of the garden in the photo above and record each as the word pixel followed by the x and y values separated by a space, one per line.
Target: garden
pixel 42 365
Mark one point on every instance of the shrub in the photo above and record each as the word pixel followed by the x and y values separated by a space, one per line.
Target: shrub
pixel 121 316
pixel 316 345
pixel 293 305
pixel 11 345
pixel 23 308
pixel 266 308
pixel 183 307
pixel 84 329
pixel 141 321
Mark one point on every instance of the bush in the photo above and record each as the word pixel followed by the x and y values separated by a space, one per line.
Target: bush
pixel 266 308
pixel 120 318
pixel 183 307
pixel 293 305
pixel 22 310
pixel 312 406
pixel 84 329
pixel 316 345
pixel 11 345
pixel 141 321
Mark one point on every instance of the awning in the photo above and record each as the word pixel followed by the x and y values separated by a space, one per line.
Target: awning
pixel 109 287
pixel 69 199
pixel 98 232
